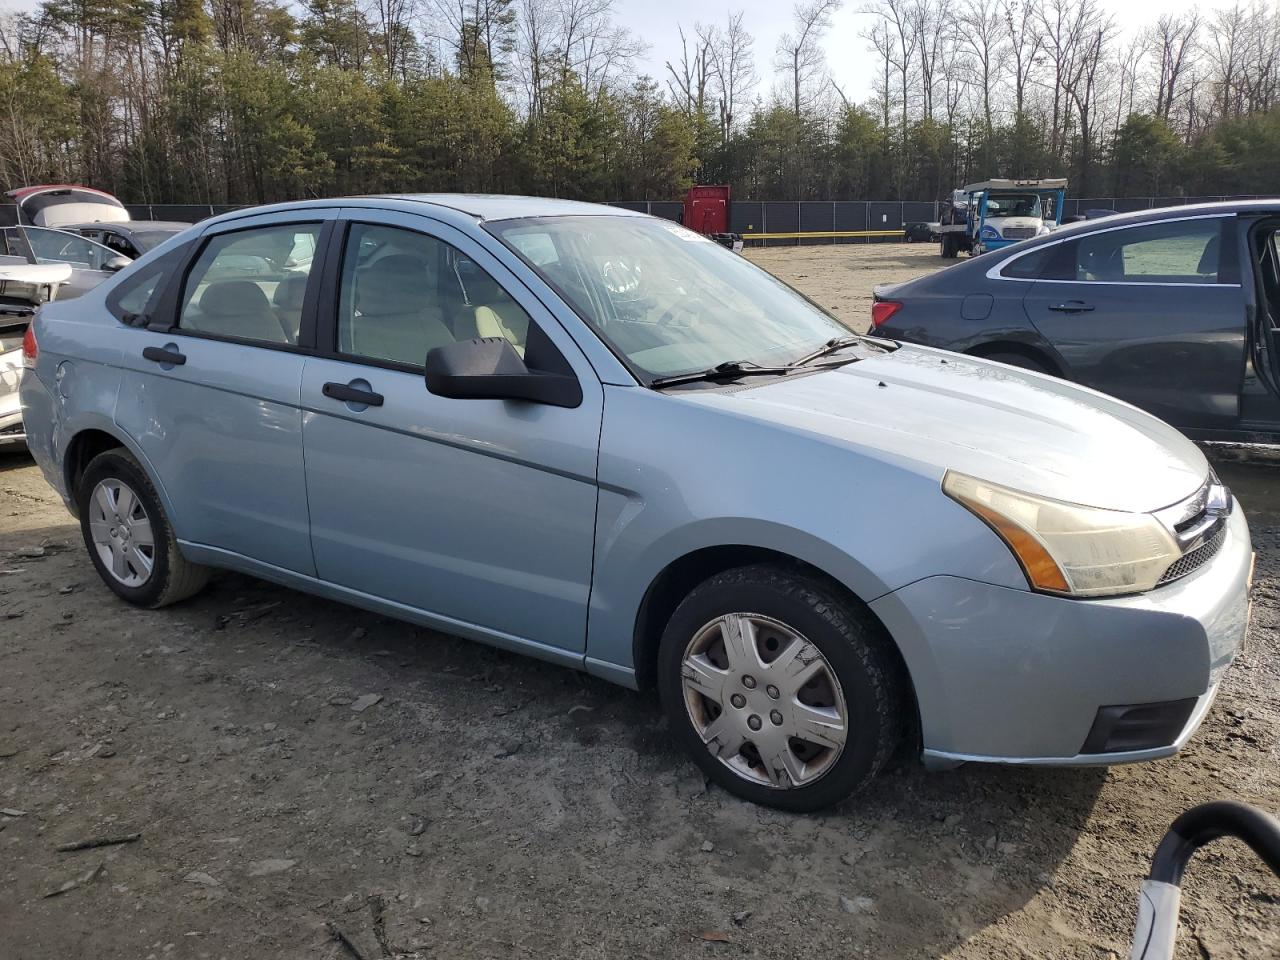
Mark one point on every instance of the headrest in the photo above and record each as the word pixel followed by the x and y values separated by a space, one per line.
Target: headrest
pixel 233 298
pixel 1209 259
pixel 394 284
pixel 289 292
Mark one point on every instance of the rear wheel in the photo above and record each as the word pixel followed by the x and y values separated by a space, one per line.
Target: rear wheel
pixel 782 691
pixel 129 539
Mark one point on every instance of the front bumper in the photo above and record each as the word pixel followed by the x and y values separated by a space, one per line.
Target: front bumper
pixel 1012 676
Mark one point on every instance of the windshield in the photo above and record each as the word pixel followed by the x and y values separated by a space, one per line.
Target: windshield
pixel 1019 205
pixel 668 300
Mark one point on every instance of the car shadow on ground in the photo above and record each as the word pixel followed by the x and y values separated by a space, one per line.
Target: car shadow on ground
pixel 385 760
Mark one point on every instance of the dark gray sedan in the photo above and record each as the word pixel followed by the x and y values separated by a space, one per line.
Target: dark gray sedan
pixel 1175 310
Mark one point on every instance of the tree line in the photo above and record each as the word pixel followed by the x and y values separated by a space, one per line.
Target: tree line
pixel 242 101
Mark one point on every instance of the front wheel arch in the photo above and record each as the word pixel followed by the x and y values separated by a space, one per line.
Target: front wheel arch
pixel 680 577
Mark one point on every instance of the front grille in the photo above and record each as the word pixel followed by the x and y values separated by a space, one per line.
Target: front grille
pixel 12 431
pixel 1018 233
pixel 1195 558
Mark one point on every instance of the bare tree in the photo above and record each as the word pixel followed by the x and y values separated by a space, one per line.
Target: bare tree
pixel 799 53
pixel 1174 40
pixel 982 36
pixel 688 81
pixel 733 70
pixel 1025 47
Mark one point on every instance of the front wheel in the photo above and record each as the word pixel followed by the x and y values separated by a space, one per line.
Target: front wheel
pixel 130 541
pixel 782 691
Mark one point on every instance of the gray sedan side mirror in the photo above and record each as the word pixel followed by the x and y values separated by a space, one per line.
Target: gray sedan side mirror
pixel 490 369
pixel 118 262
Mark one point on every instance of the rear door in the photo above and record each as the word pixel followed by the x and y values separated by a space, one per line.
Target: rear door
pixel 211 392
pixel 1151 313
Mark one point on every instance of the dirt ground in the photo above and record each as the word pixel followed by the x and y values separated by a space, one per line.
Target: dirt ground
pixel 489 806
pixel 840 276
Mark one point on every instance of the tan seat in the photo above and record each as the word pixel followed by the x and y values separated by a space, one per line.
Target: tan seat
pixel 237 308
pixel 287 300
pixel 504 320
pixel 396 319
pixel 497 315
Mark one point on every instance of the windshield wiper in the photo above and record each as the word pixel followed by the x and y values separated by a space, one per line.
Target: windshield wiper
pixel 733 370
pixel 830 347
pixel 729 370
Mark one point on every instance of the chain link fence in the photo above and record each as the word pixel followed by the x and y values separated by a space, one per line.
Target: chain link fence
pixel 767 223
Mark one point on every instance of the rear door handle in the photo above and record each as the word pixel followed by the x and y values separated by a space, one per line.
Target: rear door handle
pixel 349 394
pixel 1071 306
pixel 164 355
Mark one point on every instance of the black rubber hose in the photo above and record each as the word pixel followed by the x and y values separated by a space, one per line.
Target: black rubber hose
pixel 1208 822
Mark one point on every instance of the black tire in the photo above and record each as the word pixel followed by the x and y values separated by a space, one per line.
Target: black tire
pixel 950 247
pixel 854 645
pixel 1017 360
pixel 172 576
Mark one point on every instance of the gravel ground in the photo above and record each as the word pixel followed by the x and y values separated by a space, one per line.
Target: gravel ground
pixel 310 781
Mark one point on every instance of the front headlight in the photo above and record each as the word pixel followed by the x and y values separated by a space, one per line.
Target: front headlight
pixel 1068 549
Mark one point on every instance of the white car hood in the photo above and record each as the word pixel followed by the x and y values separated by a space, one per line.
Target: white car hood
pixel 934 411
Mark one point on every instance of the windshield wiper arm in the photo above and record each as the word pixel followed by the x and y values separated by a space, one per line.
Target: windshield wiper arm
pixel 729 370
pixel 831 346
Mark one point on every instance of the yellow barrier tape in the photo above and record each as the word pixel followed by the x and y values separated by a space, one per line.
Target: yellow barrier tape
pixel 823 233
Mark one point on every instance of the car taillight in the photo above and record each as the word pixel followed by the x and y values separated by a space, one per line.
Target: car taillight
pixel 882 310
pixel 30 349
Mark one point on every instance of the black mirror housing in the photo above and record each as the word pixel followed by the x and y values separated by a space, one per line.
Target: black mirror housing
pixel 490 369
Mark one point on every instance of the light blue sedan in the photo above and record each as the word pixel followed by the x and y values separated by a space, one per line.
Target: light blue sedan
pixel 603 440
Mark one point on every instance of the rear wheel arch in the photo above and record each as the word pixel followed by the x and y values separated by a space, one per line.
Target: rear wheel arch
pixel 91 441
pixel 679 578
pixel 1013 348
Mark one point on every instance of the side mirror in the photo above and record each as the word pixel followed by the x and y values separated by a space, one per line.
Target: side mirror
pixel 490 369
pixel 118 262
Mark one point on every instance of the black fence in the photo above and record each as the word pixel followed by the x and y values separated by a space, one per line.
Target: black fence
pixel 762 223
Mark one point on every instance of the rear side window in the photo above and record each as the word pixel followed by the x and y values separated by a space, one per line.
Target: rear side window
pixel 1177 252
pixel 250 284
pixel 135 298
pixel 1029 266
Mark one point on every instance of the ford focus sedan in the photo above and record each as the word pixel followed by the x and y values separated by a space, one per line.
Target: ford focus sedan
pixel 597 438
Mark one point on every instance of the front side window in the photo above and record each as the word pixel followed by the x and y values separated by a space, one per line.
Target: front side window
pixel 58 246
pixel 669 300
pixel 1180 251
pixel 245 285
pixel 404 293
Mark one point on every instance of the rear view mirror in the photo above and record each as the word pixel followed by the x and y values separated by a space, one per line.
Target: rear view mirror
pixel 118 262
pixel 490 369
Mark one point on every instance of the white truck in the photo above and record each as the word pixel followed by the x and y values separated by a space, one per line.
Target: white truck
pixel 995 213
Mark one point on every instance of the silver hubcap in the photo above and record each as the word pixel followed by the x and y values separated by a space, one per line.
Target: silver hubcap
pixel 764 700
pixel 121 532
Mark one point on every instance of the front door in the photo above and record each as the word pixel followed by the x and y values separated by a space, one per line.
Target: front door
pixel 210 392
pixel 1152 314
pixel 478 513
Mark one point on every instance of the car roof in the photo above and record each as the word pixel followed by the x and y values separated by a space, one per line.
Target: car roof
pixel 485 206
pixel 472 207
pixel 1154 215
pixel 127 226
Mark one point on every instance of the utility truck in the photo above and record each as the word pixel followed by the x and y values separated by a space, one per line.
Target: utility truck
pixel 995 213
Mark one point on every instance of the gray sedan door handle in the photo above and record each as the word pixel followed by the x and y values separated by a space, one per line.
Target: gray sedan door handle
pixel 1071 306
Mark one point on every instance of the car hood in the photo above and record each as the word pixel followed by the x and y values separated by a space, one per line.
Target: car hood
pixel 933 411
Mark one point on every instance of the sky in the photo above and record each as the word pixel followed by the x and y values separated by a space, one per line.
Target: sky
pixel 849 62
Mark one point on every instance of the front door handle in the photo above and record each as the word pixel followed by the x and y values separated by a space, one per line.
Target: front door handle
pixel 351 394
pixel 1071 306
pixel 168 355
